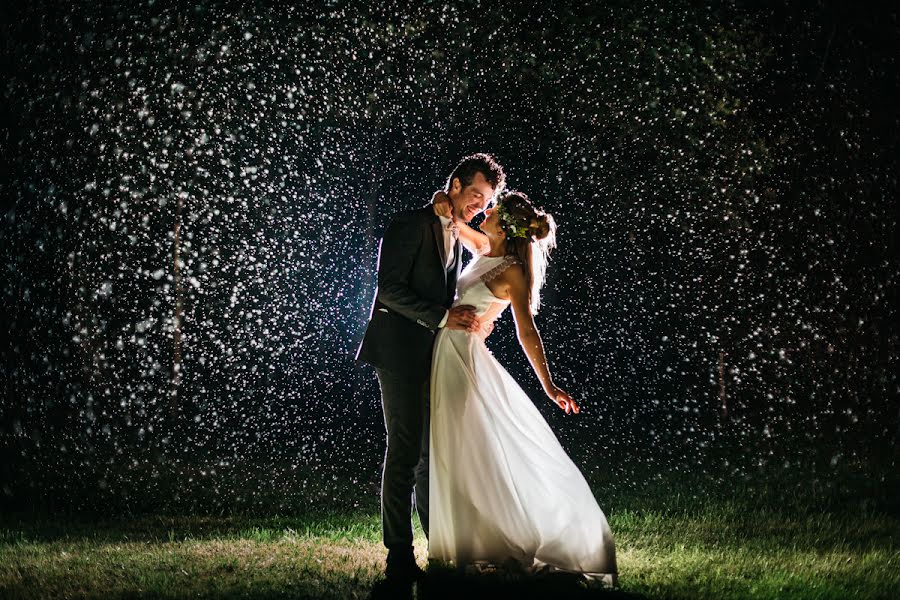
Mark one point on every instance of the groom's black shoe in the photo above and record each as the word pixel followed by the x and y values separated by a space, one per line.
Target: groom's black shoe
pixel 402 566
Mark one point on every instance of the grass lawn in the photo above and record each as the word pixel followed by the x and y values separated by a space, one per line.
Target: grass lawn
pixel 721 551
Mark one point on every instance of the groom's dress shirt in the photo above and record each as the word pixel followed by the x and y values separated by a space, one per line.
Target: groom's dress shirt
pixel 448 240
pixel 449 243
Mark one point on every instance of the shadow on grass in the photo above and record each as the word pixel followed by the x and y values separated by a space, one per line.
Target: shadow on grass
pixel 442 583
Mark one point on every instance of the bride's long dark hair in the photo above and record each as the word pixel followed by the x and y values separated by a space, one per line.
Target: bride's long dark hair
pixel 533 249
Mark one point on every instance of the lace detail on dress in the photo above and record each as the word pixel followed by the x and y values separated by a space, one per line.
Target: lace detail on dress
pixel 507 261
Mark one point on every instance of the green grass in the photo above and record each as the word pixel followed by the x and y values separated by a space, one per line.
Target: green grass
pixel 723 550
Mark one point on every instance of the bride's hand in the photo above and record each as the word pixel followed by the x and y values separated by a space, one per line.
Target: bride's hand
pixel 563 400
pixel 441 202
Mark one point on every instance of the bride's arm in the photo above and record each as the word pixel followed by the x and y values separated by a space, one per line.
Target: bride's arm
pixel 474 241
pixel 530 338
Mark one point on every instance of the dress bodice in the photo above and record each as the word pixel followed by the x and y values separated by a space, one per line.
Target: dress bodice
pixel 472 288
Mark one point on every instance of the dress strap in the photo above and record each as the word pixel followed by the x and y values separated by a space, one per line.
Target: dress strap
pixel 504 264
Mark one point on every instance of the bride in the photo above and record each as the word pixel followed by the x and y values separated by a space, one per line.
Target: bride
pixel 501 486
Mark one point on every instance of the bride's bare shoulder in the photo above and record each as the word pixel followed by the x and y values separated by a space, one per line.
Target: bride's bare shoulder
pixel 514 273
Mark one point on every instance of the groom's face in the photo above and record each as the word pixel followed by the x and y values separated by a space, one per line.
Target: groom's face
pixel 470 201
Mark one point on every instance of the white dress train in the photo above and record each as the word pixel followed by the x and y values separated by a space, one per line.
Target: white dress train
pixel 501 486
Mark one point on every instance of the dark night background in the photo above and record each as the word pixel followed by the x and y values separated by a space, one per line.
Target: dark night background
pixel 723 300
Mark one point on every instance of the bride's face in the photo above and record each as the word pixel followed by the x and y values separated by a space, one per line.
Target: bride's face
pixel 491 224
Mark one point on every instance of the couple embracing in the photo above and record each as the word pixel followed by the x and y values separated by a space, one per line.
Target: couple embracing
pixel 491 482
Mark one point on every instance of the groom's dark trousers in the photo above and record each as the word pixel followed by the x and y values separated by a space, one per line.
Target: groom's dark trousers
pixel 414 291
pixel 405 404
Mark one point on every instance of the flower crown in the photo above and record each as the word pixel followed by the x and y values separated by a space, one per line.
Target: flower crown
pixel 516 228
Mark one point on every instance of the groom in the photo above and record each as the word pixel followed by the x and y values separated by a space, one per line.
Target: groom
pixel 419 262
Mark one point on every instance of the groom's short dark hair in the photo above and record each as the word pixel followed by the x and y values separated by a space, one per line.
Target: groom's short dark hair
pixel 486 164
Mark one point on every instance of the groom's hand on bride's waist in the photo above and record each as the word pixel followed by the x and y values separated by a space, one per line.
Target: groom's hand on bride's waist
pixel 463 317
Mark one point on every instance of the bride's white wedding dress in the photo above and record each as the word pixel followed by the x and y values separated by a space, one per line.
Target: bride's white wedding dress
pixel 501 486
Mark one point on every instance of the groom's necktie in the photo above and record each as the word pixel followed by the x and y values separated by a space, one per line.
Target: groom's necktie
pixel 453 228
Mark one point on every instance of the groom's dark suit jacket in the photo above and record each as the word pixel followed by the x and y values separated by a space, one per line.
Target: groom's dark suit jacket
pixel 414 290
